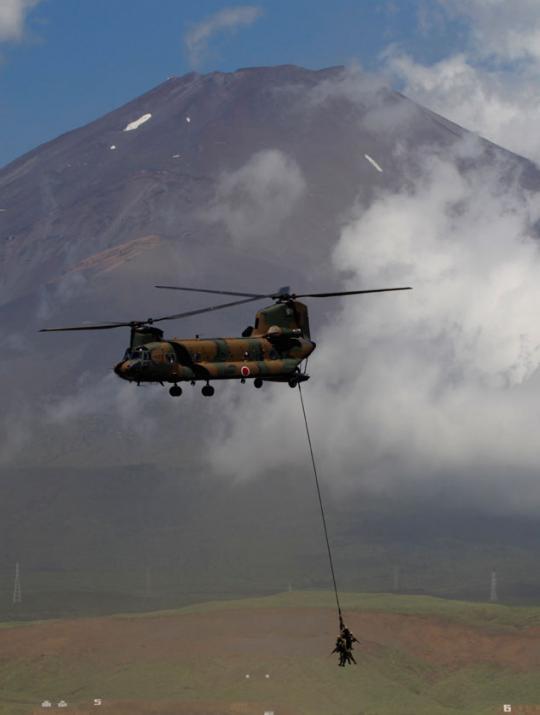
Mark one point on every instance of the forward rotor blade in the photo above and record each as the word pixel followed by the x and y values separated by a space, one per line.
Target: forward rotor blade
pixel 347 292
pixel 106 326
pixel 151 321
pixel 205 310
pixel 216 292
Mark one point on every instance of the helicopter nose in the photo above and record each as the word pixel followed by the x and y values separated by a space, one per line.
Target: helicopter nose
pixel 119 369
pixel 129 369
pixel 124 369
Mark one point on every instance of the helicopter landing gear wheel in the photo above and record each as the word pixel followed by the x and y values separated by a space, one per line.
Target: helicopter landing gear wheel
pixel 175 391
pixel 293 382
pixel 257 382
pixel 208 391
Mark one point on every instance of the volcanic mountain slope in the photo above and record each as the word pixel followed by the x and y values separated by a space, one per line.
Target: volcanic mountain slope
pixel 414 655
pixel 262 162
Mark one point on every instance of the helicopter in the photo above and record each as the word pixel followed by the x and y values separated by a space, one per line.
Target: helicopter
pixel 271 350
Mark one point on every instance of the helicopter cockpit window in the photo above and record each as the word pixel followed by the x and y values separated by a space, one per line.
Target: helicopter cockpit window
pixel 140 354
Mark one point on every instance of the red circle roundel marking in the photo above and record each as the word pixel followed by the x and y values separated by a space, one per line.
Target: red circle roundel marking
pixel 245 371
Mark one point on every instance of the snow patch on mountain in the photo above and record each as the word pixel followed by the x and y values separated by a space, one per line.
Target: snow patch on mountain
pixel 137 123
pixel 373 163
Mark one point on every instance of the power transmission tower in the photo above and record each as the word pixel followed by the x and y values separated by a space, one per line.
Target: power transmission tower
pixel 17 593
pixel 493 591
pixel 396 579
pixel 147 583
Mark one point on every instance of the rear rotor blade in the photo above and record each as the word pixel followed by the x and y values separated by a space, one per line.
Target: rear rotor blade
pixel 216 292
pixel 205 310
pixel 347 292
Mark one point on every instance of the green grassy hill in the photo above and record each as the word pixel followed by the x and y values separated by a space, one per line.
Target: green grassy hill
pixel 416 655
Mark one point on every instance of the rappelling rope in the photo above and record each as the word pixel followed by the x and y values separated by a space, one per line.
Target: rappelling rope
pixel 323 516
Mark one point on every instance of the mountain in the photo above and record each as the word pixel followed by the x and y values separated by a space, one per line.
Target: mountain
pixel 239 181
pixel 152 175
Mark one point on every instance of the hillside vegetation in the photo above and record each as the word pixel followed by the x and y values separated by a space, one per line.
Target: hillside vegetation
pixel 416 655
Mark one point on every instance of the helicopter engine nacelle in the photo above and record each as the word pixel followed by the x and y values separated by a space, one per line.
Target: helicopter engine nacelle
pixel 142 334
pixel 277 334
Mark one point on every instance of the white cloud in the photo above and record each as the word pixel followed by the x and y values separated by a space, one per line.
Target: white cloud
pixel 228 19
pixel 12 18
pixel 129 423
pixel 491 87
pixel 352 84
pixel 438 382
pixel 61 293
pixel 253 201
pixel 93 397
pixel 504 108
pixel 500 29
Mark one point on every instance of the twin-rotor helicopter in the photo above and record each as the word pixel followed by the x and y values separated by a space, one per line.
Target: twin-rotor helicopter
pixel 271 350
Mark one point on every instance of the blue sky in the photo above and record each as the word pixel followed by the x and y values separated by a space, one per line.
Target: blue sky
pixel 64 63
pixel 67 62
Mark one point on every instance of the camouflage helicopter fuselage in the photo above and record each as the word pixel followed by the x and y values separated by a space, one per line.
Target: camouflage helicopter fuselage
pixel 271 350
